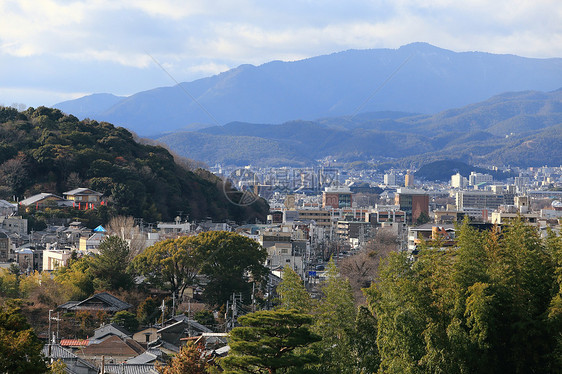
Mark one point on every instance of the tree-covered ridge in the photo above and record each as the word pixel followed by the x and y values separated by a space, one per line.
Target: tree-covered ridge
pixel 44 150
pixel 521 128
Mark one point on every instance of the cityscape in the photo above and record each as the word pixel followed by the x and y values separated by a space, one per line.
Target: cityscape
pixel 302 187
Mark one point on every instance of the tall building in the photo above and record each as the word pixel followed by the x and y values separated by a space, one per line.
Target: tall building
pixel 458 181
pixel 477 178
pixel 482 199
pixel 413 202
pixel 409 179
pixel 390 179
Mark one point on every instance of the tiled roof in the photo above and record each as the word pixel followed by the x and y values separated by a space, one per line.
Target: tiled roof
pixel 82 191
pixel 100 301
pixel 36 198
pixel 114 345
pixel 111 329
pixel 74 342
pixel 129 369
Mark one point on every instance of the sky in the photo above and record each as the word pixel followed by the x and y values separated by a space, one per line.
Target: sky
pixel 56 50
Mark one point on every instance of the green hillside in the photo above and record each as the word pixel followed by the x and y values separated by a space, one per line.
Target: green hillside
pixel 519 129
pixel 43 150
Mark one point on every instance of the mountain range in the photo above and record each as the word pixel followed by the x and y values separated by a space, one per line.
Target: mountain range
pixel 415 78
pixel 515 128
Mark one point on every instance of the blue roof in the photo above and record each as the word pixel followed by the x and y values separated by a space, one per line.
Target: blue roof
pixel 99 229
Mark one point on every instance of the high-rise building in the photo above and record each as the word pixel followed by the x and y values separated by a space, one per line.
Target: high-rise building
pixel 458 181
pixel 409 179
pixel 482 199
pixel 390 179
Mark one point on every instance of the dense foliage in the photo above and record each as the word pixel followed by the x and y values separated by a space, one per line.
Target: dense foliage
pixel 268 341
pixel 491 305
pixel 20 349
pixel 229 263
pixel 44 150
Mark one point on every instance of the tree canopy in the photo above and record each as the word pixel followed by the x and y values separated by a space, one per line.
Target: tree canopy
pixel 20 349
pixel 269 342
pixel 486 306
pixel 228 263
pixel 44 150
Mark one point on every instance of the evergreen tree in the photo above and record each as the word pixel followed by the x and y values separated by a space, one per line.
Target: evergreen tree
pixel 364 343
pixel 110 267
pixel 189 360
pixel 292 293
pixel 490 305
pixel 20 349
pixel 272 341
pixel 335 323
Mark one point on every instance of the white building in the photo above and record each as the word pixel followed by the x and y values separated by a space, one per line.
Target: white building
pixel 477 178
pixel 390 179
pixel 458 181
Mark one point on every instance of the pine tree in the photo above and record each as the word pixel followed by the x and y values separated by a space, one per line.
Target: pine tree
pixel 271 342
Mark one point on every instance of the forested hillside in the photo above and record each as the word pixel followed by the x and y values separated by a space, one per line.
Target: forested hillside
pixel 521 128
pixel 44 150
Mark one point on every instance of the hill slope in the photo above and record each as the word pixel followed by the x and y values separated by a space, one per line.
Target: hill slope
pixel 521 128
pixel 43 150
pixel 431 80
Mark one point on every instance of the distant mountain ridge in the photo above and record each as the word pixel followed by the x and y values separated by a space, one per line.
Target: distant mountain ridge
pixel 523 128
pixel 431 80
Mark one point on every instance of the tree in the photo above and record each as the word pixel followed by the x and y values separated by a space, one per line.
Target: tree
pixel 148 310
pixel 110 267
pixel 76 278
pixel 271 342
pixel 364 344
pixel 231 262
pixel 335 323
pixel 127 320
pixel 172 264
pixel 292 293
pixel 124 227
pixel 484 306
pixel 20 349
pixel 189 360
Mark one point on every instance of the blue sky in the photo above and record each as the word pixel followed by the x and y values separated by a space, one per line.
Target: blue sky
pixel 55 50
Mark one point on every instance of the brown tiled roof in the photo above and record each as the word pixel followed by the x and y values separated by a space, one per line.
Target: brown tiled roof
pixel 115 346
pixel 74 342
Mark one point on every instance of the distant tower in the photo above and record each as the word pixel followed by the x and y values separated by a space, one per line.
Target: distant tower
pixel 390 179
pixel 409 180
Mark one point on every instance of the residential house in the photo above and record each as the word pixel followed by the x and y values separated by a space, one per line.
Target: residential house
pixel 74 364
pixel 84 198
pixel 43 200
pixel 99 302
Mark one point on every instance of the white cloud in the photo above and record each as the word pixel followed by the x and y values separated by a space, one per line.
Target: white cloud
pixel 195 37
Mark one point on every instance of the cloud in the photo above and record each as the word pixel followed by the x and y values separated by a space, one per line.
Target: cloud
pixel 195 38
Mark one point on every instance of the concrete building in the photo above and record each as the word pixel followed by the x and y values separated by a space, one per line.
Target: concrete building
pixel 337 197
pixel 482 199
pixel 409 179
pixel 5 248
pixel 412 202
pixel 390 179
pixel 53 258
pixel 478 178
pixel 458 181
